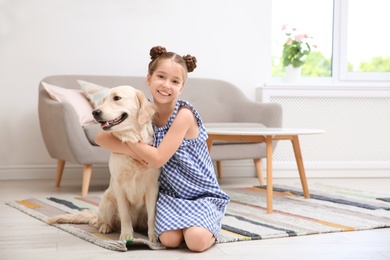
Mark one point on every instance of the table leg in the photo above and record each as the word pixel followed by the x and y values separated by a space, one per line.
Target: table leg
pixel 219 169
pixel 259 171
pixel 209 143
pixel 301 168
pixel 268 141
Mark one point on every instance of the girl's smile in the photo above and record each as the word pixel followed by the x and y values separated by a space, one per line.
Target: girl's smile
pixel 163 93
pixel 167 80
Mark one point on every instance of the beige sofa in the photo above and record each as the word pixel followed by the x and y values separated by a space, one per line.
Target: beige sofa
pixel 216 101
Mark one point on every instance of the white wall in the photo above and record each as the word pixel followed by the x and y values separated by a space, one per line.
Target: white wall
pixel 38 38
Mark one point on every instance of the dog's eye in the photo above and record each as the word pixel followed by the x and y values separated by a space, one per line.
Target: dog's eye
pixel 116 98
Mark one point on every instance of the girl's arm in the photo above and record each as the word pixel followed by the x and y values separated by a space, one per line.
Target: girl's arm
pixel 114 145
pixel 184 126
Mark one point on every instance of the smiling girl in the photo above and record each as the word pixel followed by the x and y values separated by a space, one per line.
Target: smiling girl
pixel 191 204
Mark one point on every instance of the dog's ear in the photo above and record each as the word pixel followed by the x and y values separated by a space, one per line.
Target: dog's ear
pixel 146 108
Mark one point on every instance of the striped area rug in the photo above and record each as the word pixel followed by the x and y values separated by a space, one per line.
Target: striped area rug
pixel 329 209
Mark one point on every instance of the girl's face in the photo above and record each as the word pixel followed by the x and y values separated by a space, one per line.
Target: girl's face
pixel 166 83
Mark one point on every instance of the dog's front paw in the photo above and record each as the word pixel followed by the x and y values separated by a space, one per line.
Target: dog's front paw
pixel 105 229
pixel 153 238
pixel 126 236
pixel 94 223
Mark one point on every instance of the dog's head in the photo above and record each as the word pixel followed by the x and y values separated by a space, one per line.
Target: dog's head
pixel 126 112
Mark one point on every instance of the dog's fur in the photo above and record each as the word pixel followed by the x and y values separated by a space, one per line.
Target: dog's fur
pixel 130 200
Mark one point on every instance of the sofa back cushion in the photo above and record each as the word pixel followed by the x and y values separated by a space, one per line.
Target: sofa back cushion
pixel 215 100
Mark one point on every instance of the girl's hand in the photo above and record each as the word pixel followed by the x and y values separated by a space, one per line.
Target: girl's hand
pixel 114 145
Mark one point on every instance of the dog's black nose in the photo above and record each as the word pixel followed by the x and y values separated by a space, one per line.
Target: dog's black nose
pixel 97 113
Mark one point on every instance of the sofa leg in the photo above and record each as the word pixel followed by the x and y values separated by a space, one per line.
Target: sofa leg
pixel 60 170
pixel 259 171
pixel 219 169
pixel 87 172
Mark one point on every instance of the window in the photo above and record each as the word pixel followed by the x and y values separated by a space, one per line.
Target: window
pixel 349 35
pixel 314 18
pixel 365 52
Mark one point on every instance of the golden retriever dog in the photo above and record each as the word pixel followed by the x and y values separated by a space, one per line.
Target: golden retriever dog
pixel 130 200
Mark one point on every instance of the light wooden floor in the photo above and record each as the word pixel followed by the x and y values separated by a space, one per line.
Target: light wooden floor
pixel 23 237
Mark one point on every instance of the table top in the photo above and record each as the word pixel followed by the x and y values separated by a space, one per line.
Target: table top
pixel 255 129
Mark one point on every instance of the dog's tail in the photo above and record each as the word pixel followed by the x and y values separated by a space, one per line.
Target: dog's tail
pixel 82 217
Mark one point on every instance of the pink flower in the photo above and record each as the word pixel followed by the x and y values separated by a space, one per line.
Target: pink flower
pixel 296 46
pixel 300 37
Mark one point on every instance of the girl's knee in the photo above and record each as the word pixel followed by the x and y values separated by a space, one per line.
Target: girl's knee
pixel 198 239
pixel 171 238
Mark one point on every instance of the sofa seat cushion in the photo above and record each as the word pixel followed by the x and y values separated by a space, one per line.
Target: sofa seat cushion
pixel 237 151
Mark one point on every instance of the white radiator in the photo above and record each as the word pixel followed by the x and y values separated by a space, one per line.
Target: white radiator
pixel 356 124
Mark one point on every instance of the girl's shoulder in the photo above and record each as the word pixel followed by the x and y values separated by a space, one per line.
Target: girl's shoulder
pixel 181 103
pixel 184 103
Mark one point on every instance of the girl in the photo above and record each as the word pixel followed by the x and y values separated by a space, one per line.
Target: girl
pixel 191 204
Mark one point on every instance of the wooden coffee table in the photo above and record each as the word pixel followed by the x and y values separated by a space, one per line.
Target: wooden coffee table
pixel 253 132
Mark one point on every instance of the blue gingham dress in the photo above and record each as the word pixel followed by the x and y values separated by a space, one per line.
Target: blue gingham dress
pixel 189 192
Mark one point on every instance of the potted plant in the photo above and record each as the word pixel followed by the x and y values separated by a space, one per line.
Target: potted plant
pixel 295 50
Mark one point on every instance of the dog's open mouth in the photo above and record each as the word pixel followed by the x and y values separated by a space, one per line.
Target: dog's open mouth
pixel 108 124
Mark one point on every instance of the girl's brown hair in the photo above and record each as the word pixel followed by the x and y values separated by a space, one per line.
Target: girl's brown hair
pixel 158 53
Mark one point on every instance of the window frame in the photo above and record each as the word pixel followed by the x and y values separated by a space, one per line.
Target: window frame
pixel 340 39
pixel 339 67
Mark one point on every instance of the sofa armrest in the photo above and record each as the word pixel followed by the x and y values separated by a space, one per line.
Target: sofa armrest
pixel 63 135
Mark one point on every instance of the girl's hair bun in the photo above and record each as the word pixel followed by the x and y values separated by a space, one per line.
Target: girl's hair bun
pixel 156 51
pixel 190 62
